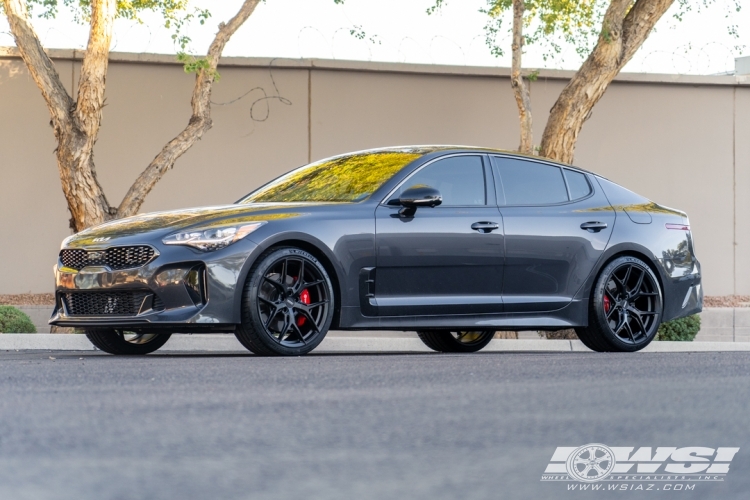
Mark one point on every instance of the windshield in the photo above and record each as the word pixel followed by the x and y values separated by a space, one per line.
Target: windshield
pixel 348 178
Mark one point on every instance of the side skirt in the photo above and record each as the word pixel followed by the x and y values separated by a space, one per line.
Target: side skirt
pixel 575 314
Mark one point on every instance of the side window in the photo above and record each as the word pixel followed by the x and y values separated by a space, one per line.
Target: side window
pixel 577 184
pixel 531 183
pixel 460 179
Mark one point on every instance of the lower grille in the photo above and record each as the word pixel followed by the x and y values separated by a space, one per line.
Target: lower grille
pixel 103 303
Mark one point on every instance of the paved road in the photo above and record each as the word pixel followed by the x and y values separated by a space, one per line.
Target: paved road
pixel 170 426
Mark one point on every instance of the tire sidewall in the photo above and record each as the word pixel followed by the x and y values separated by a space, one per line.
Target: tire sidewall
pixel 599 313
pixel 109 341
pixel 251 314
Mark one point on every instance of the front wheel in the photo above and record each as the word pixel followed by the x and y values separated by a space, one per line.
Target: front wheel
pixel 287 304
pixel 125 342
pixel 626 307
pixel 463 341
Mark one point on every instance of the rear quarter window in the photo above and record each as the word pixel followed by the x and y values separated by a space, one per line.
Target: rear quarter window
pixel 577 184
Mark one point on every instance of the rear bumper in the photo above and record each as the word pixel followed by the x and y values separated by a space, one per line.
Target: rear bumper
pixel 684 297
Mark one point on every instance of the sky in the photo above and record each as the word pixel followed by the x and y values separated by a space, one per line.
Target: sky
pixel 401 31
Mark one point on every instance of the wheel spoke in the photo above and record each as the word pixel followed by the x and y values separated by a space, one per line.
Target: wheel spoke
pixel 630 331
pixel 270 319
pixel 620 324
pixel 275 284
pixel 283 273
pixel 637 288
pixel 301 277
pixel 284 328
pixel 639 321
pixel 627 278
pixel 314 283
pixel 316 304
pixel 620 286
pixel 306 314
pixel 612 310
pixel 269 303
pixel 298 332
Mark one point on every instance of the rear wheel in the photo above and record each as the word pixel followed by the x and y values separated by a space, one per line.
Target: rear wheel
pixel 456 341
pixel 626 307
pixel 287 304
pixel 126 342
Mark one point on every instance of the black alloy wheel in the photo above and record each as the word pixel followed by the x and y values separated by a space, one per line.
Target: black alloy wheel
pixel 123 342
pixel 287 304
pixel 456 341
pixel 626 307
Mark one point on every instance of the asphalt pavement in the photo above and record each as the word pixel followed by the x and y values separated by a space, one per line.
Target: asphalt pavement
pixel 85 425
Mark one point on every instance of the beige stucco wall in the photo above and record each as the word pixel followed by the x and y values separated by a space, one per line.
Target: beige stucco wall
pixel 677 140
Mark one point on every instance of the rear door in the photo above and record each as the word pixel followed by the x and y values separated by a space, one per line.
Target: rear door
pixel 446 259
pixel 557 225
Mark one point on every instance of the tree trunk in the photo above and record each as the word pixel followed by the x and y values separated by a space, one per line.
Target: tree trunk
pixel 520 90
pixel 199 123
pixel 76 124
pixel 625 27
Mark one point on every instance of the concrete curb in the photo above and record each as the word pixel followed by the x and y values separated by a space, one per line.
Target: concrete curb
pixel 344 344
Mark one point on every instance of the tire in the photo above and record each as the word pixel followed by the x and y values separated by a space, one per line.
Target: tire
pixel 287 304
pixel 456 341
pixel 625 309
pixel 123 342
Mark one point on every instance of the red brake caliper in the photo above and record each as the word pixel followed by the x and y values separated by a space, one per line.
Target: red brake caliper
pixel 304 297
pixel 607 304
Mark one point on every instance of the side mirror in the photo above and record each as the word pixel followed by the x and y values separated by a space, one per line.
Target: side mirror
pixel 419 196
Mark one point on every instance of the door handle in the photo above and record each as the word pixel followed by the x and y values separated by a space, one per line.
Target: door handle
pixel 484 226
pixel 594 227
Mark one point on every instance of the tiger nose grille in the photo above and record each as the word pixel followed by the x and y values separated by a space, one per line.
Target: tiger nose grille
pixel 115 258
pixel 103 303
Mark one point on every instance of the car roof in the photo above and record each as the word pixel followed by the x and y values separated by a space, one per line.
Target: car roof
pixel 425 149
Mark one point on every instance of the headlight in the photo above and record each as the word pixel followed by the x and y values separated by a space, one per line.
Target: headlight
pixel 211 239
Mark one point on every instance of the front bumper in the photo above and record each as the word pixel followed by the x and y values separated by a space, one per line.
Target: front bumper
pixel 181 288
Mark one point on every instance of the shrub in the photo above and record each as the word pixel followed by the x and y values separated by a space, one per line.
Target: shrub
pixel 683 329
pixel 13 320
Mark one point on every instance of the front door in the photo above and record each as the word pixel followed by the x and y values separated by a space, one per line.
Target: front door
pixel 557 225
pixel 446 259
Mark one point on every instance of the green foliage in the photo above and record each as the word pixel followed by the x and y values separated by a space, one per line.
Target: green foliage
pixel 175 13
pixel 13 320
pixel 682 329
pixel 552 24
pixel 194 64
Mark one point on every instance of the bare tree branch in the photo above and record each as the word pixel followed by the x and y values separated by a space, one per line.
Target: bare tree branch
pixel 199 123
pixel 94 68
pixel 520 90
pixel 639 23
pixel 624 29
pixel 40 65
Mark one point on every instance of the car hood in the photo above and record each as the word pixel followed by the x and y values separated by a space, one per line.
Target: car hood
pixel 161 223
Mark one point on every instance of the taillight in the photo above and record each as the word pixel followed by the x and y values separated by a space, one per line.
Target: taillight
pixel 679 227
